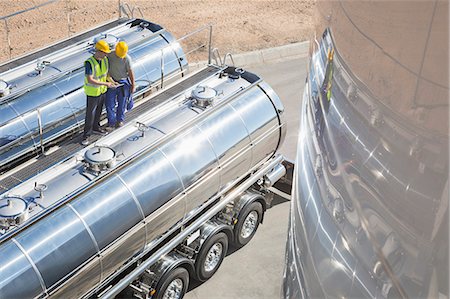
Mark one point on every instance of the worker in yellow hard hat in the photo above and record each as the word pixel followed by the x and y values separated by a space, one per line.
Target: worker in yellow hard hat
pixel 95 86
pixel 119 99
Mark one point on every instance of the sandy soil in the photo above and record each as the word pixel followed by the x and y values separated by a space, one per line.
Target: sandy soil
pixel 238 26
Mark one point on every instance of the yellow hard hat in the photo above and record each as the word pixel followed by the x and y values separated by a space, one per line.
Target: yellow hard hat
pixel 121 49
pixel 103 46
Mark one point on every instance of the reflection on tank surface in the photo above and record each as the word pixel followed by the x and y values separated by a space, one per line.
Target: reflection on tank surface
pixel 369 215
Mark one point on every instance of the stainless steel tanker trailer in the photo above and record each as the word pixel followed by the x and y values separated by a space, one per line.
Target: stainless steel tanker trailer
pixel 152 204
pixel 41 94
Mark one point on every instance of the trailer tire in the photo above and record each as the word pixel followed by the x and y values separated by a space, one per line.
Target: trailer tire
pixel 247 224
pixel 175 282
pixel 211 256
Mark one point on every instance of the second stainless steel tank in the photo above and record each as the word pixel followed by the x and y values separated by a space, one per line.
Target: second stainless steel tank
pixel 43 98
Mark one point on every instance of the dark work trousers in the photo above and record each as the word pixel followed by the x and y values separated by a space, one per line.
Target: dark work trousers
pixel 94 106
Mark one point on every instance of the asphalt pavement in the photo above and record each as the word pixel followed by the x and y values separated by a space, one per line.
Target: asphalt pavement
pixel 256 270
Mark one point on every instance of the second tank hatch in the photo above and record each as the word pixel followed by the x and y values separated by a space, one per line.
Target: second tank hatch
pixel 4 88
pixel 100 158
pixel 13 211
pixel 203 96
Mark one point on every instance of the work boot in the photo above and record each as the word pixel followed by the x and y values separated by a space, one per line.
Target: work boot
pixel 85 141
pixel 99 131
pixel 119 124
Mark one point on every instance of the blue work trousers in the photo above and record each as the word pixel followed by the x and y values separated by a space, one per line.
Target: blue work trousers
pixel 115 103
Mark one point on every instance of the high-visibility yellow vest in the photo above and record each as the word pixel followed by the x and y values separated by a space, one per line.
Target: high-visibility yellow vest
pixel 99 73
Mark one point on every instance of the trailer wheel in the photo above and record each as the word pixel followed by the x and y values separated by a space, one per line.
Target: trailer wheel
pixel 211 256
pixel 173 285
pixel 247 224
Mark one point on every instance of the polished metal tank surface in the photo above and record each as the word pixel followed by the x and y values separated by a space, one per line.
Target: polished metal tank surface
pixel 169 162
pixel 369 211
pixel 41 95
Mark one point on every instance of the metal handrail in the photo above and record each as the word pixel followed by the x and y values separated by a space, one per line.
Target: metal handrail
pixel 28 9
pixel 5 19
pixel 216 55
pixel 162 67
pixel 200 29
pixel 225 59
pixel 140 11
pixel 123 7
pixel 41 134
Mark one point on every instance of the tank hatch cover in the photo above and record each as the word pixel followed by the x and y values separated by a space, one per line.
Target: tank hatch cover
pixel 110 39
pixel 100 158
pixel 99 155
pixel 13 210
pixel 203 95
pixel 4 88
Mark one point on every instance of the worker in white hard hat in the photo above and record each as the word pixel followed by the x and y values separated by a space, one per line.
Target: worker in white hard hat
pixel 119 99
pixel 95 87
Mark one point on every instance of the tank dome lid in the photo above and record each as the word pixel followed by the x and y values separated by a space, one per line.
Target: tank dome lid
pixel 109 38
pixel 203 96
pixel 204 92
pixel 12 206
pixel 99 154
pixel 4 88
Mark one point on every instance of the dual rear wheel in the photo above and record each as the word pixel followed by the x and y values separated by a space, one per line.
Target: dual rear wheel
pixel 174 284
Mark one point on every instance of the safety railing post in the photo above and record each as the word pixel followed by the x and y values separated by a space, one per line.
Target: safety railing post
pixel 210 44
pixel 162 68
pixel 68 17
pixel 5 19
pixel 41 137
pixel 8 38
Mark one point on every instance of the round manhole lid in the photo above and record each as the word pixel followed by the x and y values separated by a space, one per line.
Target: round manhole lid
pixel 110 39
pixel 4 88
pixel 12 206
pixel 3 85
pixel 99 154
pixel 204 93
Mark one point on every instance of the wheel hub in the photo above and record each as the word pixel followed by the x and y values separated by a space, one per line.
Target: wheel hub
pixel 174 289
pixel 213 257
pixel 249 224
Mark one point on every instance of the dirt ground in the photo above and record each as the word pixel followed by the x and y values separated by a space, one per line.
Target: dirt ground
pixel 238 26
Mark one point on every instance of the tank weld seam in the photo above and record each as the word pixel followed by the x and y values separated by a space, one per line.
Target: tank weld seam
pixel 91 235
pixel 179 177
pixel 246 129
pixel 35 268
pixel 136 201
pixel 173 166
pixel 219 166
pixel 64 95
